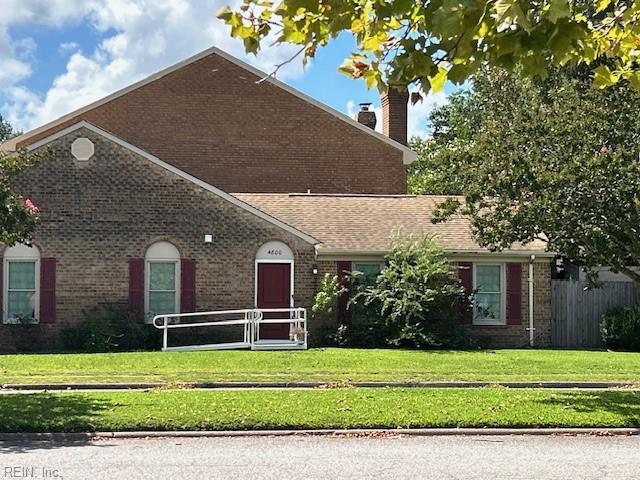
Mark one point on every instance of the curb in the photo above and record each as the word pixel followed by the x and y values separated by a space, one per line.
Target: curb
pixel 247 385
pixel 417 432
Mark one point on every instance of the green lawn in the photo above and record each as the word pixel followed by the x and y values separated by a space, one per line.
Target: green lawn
pixel 326 365
pixel 317 408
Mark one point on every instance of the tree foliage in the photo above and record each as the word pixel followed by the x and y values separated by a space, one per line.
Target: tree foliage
pixel 6 130
pixel 553 159
pixel 401 42
pixel 415 301
pixel 18 215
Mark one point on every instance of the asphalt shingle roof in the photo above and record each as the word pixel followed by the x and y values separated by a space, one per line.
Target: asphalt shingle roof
pixel 365 223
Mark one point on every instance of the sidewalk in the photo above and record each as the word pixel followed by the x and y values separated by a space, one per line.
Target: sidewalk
pixel 57 387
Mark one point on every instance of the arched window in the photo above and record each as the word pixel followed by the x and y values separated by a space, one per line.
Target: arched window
pixel 21 284
pixel 162 280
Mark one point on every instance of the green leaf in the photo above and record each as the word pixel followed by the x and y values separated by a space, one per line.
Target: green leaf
pixel 371 77
pixel 603 77
pixel 437 81
pixel 294 36
pixel 634 80
pixel 558 9
pixel 225 13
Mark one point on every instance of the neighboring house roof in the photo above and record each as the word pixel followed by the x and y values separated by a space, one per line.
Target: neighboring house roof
pixel 364 224
pixel 225 196
pixel 408 155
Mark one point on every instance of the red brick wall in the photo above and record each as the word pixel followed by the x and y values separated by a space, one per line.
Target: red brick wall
pixel 97 215
pixel 213 120
pixel 511 336
pixel 395 115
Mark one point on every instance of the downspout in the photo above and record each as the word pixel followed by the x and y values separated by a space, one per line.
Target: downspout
pixel 531 327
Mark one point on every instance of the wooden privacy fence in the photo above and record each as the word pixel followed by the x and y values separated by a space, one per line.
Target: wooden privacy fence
pixel 576 312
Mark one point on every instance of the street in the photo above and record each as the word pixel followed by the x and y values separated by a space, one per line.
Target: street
pixel 396 457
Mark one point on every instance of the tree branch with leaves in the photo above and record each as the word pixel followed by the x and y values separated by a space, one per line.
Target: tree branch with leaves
pixel 18 215
pixel 404 42
pixel 554 160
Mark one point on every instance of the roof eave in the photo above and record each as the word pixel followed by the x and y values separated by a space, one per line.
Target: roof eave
pixel 330 251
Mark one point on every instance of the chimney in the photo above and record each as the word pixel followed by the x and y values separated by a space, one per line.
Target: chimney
pixel 394 114
pixel 366 116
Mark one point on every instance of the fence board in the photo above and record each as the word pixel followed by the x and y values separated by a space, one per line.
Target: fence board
pixel 576 312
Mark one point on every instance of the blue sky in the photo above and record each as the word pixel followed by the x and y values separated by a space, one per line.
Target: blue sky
pixel 58 55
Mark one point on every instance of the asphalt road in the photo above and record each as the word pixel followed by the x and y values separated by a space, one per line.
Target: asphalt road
pixel 513 457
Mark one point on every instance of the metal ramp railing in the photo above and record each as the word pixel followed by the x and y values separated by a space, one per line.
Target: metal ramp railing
pixel 251 321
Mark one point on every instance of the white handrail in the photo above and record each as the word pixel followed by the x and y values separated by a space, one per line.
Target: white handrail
pixel 253 318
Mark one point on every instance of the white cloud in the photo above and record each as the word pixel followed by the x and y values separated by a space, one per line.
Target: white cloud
pixel 140 38
pixel 67 47
pixel 418 114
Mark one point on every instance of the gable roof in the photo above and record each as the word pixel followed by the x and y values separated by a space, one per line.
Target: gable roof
pixel 363 224
pixel 216 191
pixel 408 155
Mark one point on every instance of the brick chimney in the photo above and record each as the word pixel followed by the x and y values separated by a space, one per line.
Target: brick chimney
pixel 394 114
pixel 366 116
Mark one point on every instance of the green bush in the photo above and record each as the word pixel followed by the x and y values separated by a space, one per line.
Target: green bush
pixel 27 335
pixel 620 329
pixel 110 328
pixel 415 302
pixel 324 310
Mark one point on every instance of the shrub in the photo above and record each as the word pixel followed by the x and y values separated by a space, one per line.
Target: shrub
pixel 26 335
pixel 324 309
pixel 620 328
pixel 110 328
pixel 415 301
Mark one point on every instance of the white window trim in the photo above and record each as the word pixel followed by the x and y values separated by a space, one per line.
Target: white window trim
pixel 5 294
pixel 503 295
pixel 367 262
pixel 147 283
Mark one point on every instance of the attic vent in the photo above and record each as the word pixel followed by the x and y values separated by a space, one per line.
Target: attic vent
pixel 82 149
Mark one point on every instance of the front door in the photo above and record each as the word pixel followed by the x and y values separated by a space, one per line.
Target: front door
pixel 274 291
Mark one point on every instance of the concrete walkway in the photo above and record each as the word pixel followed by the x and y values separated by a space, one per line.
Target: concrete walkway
pixel 37 387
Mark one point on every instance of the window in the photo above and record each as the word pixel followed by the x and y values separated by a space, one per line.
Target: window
pixel 489 298
pixel 369 270
pixel 21 280
pixel 162 278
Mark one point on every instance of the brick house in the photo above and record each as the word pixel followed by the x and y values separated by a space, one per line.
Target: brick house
pixel 175 195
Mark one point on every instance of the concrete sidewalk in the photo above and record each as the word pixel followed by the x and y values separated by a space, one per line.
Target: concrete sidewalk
pixel 15 387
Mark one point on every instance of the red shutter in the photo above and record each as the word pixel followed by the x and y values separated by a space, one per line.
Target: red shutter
pixel 47 290
pixel 1 289
pixel 343 300
pixel 465 274
pixel 187 285
pixel 514 293
pixel 136 286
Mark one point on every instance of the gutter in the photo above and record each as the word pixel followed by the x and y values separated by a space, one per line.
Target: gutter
pixel 324 251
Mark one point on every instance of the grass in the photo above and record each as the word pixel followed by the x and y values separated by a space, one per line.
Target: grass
pixel 325 365
pixel 317 408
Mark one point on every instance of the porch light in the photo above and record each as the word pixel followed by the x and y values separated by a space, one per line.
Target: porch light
pixel 315 269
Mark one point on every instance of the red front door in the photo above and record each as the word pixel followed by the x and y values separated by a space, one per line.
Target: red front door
pixel 274 291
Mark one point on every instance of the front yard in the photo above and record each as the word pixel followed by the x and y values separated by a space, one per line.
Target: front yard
pixel 317 409
pixel 323 365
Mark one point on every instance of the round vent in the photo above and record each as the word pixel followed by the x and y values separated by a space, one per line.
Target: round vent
pixel 82 149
